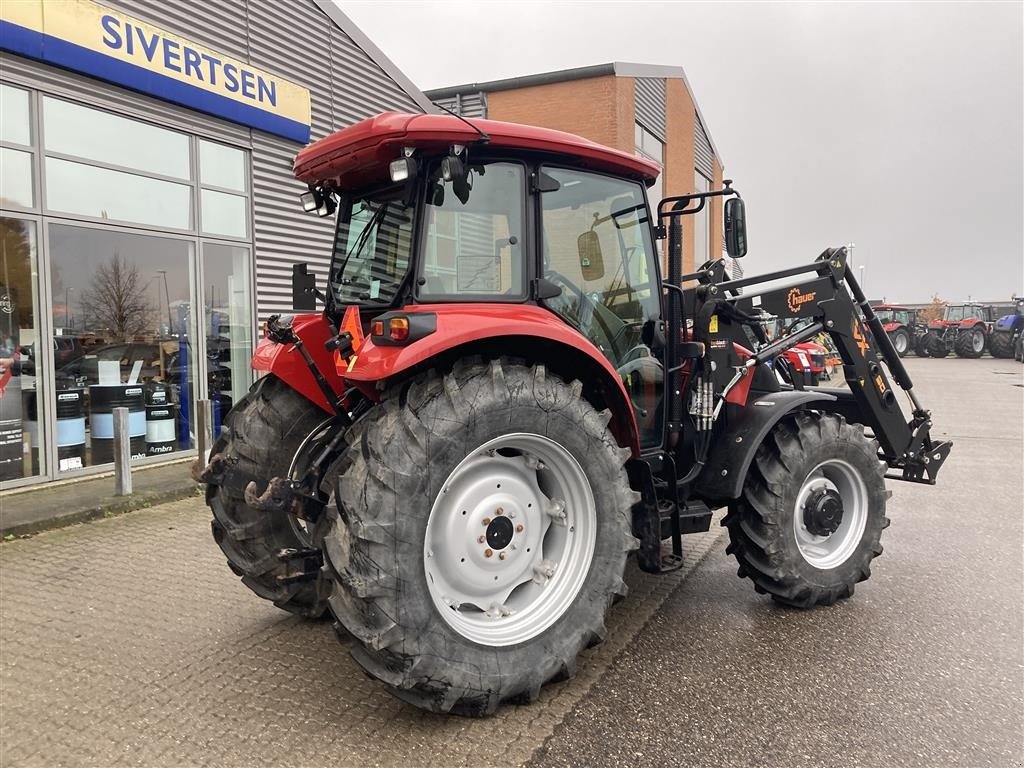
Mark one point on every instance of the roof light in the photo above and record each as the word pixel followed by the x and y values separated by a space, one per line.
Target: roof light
pixel 308 202
pixel 403 169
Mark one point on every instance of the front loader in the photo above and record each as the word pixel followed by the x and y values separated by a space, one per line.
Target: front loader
pixel 504 398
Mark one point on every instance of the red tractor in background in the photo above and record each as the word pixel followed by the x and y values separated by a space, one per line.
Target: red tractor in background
pixel 903 327
pixel 503 398
pixel 963 329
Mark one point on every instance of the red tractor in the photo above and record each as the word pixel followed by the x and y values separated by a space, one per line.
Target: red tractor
pixel 903 328
pixel 963 329
pixel 503 399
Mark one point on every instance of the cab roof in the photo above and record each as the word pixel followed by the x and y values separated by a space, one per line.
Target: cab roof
pixel 360 154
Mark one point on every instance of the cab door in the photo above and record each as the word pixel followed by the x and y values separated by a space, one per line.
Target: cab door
pixel 597 247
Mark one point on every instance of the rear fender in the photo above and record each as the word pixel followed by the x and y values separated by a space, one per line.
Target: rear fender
pixel 733 450
pixel 287 364
pixel 521 330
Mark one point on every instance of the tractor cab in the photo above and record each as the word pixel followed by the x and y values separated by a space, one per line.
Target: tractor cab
pixel 443 223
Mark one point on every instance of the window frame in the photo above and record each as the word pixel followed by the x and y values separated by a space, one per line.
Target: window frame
pixel 42 217
pixel 527 242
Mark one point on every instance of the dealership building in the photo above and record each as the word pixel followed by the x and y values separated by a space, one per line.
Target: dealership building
pixel 148 214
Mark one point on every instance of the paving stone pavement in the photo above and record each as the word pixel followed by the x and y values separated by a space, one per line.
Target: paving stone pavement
pixel 128 642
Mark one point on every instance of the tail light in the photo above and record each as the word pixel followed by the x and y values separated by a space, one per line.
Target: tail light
pixel 397 329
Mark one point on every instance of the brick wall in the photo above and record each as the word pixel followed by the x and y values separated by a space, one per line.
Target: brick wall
pixel 599 108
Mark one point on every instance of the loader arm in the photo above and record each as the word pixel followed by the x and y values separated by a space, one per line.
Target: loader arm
pixel 829 302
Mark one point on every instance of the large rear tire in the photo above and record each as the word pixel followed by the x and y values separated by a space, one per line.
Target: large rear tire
pixel 479 533
pixel 970 343
pixel 1001 345
pixel 786 530
pixel 262 433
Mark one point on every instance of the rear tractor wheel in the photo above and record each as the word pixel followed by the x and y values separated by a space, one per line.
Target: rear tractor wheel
pixel 970 343
pixel 478 535
pixel 812 512
pixel 262 433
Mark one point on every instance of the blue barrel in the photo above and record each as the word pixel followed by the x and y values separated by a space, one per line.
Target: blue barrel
pixel 103 399
pixel 160 432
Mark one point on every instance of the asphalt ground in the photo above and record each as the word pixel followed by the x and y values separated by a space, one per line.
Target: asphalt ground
pixel 924 666
pixel 127 641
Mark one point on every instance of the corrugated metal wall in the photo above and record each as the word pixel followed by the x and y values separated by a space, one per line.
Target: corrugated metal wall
pixel 466 104
pixel 704 154
pixel 650 104
pixel 298 42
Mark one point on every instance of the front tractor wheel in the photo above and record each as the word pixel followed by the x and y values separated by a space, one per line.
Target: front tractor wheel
pixel 812 512
pixel 970 343
pixel 1001 345
pixel 901 341
pixel 479 534
pixel 935 344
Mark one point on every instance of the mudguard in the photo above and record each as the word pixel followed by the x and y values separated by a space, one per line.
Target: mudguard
pixel 287 364
pixel 733 451
pixel 463 324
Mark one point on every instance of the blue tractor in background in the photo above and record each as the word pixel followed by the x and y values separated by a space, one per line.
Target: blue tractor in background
pixel 1008 333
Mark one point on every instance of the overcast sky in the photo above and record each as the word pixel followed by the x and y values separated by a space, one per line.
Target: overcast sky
pixel 897 127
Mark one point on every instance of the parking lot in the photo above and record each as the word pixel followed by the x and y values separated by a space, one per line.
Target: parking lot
pixel 128 642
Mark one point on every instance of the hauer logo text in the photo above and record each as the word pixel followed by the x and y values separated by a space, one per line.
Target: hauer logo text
pixel 179 57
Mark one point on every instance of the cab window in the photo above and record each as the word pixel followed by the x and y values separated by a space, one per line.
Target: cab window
pixel 474 235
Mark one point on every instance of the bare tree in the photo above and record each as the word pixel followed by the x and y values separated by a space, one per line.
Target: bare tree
pixel 116 300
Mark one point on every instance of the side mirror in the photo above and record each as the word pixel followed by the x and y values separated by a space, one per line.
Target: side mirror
pixel 591 259
pixel 303 289
pixel 735 227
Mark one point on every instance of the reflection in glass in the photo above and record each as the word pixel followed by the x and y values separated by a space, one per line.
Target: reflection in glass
pixel 19 425
pixel 224 214
pixel 227 319
pixel 72 129
pixel 701 224
pixel 221 166
pixel 15 178
pixel 14 115
pixel 105 194
pixel 474 246
pixel 122 304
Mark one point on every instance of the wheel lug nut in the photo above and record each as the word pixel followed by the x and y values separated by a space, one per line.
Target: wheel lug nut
pixel 488 553
pixel 519 528
pixel 499 511
pixel 482 539
pixel 501 555
pixel 487 521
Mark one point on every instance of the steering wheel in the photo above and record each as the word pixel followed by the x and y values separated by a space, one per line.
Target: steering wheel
pixel 556 276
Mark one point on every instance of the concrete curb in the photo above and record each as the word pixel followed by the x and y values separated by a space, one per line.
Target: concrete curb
pixel 132 503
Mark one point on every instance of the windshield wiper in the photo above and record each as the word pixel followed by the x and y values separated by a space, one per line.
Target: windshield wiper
pixel 364 236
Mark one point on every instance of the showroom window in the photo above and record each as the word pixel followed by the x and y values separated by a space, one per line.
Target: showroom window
pixel 127 246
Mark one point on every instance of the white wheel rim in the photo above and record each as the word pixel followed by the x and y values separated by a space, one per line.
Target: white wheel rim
pixel 978 341
pixel 525 584
pixel 828 552
pixel 901 343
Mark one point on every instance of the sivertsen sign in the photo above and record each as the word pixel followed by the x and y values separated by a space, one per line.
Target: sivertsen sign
pixel 88 37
